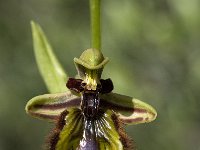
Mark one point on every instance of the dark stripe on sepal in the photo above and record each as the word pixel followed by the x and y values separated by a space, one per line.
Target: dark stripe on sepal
pixel 113 106
pixel 67 104
pixel 131 120
pixel 44 116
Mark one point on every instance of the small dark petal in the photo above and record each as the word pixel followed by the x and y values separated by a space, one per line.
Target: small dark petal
pixel 107 85
pixel 74 84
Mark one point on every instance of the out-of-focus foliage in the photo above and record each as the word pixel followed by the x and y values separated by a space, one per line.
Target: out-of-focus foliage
pixel 154 50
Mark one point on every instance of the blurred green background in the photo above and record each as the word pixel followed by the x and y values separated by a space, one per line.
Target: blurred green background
pixel 154 48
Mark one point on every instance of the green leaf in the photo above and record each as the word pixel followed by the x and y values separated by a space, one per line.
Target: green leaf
pixel 50 106
pixel 51 70
pixel 135 110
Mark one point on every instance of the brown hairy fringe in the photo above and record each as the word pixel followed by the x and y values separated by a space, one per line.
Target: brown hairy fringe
pixel 127 142
pixel 53 137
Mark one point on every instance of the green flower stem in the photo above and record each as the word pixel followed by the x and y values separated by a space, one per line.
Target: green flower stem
pixel 95 24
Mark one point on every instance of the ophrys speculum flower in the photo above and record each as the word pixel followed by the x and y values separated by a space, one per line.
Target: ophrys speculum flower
pixel 88 116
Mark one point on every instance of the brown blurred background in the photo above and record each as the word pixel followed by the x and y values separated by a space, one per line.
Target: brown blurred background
pixel 154 48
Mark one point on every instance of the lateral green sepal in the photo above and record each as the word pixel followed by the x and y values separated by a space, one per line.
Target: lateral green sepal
pixel 129 109
pixel 49 106
pixel 90 59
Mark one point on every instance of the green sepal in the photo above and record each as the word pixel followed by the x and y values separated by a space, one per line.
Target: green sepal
pixel 90 59
pixel 49 106
pixel 129 109
pixel 50 69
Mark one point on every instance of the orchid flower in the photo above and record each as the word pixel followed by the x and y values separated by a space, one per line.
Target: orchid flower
pixel 80 125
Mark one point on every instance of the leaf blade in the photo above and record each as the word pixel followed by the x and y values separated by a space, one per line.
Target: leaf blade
pixel 50 69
